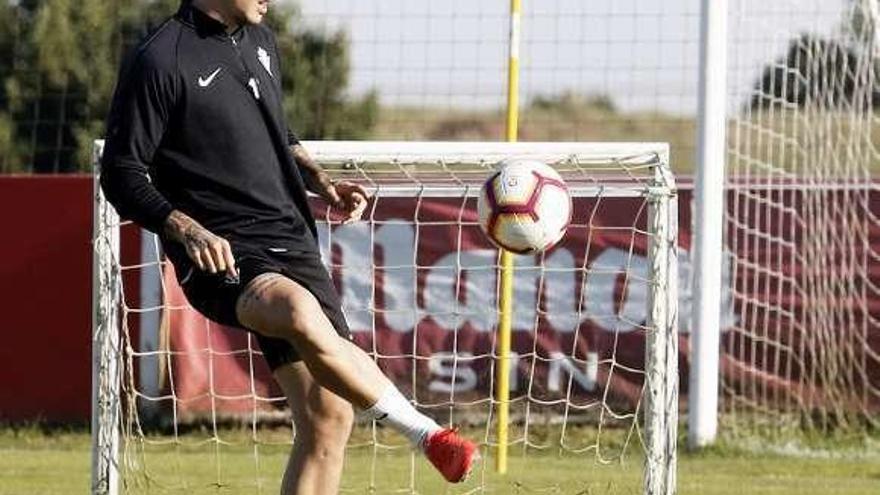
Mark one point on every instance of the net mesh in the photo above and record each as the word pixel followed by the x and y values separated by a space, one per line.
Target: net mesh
pixel 802 350
pixel 419 289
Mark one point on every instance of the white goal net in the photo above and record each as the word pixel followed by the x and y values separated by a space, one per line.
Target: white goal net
pixel 802 351
pixel 182 403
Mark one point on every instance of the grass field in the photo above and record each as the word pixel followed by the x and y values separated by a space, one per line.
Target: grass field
pixel 41 461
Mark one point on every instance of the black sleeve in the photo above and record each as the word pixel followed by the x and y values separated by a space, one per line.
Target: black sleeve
pixel 143 100
pixel 291 138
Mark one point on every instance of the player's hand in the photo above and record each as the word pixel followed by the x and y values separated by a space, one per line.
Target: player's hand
pixel 349 197
pixel 209 252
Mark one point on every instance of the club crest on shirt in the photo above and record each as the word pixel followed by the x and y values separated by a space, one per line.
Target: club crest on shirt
pixel 263 57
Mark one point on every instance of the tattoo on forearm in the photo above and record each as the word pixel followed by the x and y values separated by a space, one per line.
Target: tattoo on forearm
pixel 183 229
pixel 315 177
pixel 177 224
pixel 195 237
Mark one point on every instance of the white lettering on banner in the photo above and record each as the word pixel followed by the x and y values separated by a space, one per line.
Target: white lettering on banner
pixel 525 292
pixel 460 287
pixel 445 303
pixel 476 306
pixel 586 378
pixel 399 275
pixel 560 298
pixel 454 372
pixel 611 266
pixel 356 292
pixel 396 241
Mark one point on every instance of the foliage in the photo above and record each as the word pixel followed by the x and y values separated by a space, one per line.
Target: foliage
pixel 820 72
pixel 569 101
pixel 58 66
pixel 316 72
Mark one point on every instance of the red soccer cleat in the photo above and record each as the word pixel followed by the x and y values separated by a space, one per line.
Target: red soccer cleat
pixel 452 454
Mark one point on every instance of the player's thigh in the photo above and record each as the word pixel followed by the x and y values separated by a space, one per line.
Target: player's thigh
pixel 276 306
pixel 318 413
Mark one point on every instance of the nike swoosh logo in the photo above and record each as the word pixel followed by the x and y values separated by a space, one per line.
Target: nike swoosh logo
pixel 203 82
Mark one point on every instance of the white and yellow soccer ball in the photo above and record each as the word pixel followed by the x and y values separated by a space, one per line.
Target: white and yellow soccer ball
pixel 524 207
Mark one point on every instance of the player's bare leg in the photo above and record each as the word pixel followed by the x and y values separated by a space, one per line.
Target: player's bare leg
pixel 323 423
pixel 276 306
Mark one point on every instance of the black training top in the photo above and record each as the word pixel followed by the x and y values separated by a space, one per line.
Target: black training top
pixel 199 112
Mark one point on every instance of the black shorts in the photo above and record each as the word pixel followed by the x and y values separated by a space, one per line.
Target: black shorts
pixel 215 297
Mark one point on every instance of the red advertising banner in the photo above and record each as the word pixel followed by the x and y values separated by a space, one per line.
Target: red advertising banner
pixel 799 322
pixel 418 284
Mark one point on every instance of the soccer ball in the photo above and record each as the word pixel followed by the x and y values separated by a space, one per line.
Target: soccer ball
pixel 524 207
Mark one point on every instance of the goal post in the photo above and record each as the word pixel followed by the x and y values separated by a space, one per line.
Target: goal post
pixel 107 354
pixel 661 349
pixel 413 277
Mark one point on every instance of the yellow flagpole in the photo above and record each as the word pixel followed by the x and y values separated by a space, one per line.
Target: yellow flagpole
pixel 505 300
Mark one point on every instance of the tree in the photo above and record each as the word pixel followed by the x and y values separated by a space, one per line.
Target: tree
pixel 59 61
pixel 315 70
pixel 818 72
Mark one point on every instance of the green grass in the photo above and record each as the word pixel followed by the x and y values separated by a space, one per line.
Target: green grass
pixel 37 461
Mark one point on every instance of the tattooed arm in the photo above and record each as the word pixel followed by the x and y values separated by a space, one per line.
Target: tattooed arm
pixel 314 176
pixel 347 196
pixel 208 251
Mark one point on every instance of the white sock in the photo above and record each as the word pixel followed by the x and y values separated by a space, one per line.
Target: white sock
pixel 394 410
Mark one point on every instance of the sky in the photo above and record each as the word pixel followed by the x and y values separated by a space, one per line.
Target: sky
pixel 641 53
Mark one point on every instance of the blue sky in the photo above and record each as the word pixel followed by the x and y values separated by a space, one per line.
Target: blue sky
pixel 643 53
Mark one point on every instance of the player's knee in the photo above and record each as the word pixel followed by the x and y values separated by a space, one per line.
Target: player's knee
pixel 335 419
pixel 288 318
pixel 328 427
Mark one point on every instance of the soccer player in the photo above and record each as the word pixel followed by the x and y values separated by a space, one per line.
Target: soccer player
pixel 199 152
